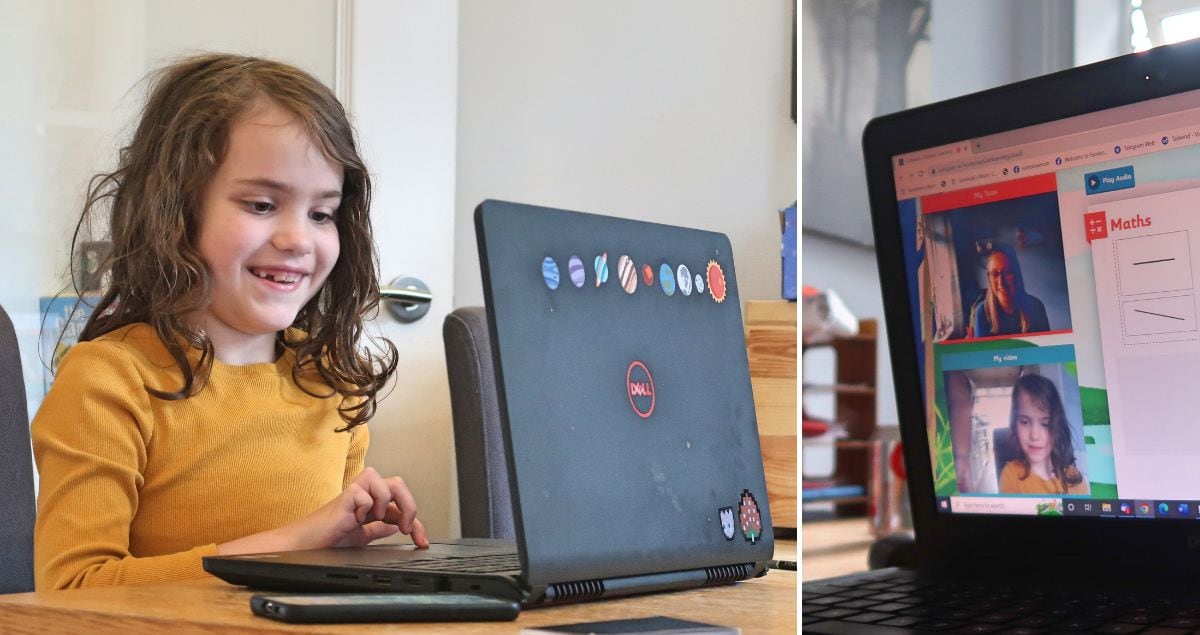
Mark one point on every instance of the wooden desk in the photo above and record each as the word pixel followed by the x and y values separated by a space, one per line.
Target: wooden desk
pixel 764 605
pixel 835 547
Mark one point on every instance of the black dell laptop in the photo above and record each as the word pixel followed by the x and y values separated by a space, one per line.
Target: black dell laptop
pixel 628 421
pixel 1035 252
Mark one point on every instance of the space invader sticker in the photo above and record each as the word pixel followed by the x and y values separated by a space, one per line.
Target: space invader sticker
pixel 1095 225
pixel 727 526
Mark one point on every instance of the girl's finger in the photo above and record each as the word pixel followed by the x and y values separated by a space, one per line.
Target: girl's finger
pixel 361 502
pixel 405 501
pixel 418 535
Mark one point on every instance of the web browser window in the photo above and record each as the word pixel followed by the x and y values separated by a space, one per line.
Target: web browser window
pixel 1054 292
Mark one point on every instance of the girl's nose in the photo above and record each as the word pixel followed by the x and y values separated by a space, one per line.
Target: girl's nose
pixel 293 233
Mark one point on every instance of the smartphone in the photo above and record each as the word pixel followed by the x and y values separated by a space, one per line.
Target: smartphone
pixel 383 607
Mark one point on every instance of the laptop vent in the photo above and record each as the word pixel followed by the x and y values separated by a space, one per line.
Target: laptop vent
pixel 726 573
pixel 574 591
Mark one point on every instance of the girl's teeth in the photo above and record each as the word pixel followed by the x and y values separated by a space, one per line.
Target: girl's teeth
pixel 282 278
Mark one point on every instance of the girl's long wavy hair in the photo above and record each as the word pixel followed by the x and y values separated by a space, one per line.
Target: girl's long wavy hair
pixel 1044 394
pixel 154 271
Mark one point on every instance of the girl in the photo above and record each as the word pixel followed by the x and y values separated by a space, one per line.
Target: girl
pixel 215 403
pixel 1039 424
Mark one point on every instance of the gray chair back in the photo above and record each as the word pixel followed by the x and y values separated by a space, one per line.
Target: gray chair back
pixel 17 505
pixel 484 499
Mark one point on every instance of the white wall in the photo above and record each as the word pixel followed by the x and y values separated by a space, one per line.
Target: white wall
pixel 978 44
pixel 671 111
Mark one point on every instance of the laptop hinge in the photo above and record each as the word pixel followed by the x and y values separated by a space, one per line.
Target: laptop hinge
pixel 575 591
pixel 726 574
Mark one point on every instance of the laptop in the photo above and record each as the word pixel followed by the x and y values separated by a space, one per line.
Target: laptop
pixel 1035 246
pixel 628 422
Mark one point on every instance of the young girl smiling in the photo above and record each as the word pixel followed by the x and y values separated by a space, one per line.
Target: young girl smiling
pixel 217 400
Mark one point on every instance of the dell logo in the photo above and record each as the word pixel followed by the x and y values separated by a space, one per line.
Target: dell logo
pixel 640 387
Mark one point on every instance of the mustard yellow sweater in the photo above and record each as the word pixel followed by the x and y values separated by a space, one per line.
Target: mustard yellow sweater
pixel 135 489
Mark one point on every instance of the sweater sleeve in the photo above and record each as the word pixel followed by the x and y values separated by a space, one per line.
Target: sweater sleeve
pixel 90 438
pixel 356 458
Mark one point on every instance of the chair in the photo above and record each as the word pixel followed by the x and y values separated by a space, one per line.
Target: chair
pixel 16 469
pixel 1005 447
pixel 484 498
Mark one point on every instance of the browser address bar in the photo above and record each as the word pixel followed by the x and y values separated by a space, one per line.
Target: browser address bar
pixel 978 162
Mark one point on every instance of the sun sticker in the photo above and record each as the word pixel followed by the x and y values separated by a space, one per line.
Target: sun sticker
pixel 716 281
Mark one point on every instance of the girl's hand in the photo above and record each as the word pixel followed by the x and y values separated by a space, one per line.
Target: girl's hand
pixel 370 508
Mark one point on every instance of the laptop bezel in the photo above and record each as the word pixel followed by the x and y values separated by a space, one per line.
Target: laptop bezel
pixel 1089 545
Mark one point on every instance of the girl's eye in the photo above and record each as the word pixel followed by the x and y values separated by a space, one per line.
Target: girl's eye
pixel 259 207
pixel 321 217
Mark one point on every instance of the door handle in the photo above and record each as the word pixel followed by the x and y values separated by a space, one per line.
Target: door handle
pixel 407 298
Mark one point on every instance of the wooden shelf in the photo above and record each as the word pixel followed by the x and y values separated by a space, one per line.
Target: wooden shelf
pixel 771 349
pixel 841 389
pixel 855 457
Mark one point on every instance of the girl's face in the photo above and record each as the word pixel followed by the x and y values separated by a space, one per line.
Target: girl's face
pixel 267 233
pixel 1033 429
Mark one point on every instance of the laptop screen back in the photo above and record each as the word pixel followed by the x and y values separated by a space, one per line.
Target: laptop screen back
pixel 1052 284
pixel 622 368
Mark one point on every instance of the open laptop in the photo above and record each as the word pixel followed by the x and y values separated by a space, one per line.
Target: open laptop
pixel 1037 252
pixel 628 421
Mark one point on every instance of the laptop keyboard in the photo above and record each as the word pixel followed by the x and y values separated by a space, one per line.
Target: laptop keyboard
pixel 899 602
pixel 495 563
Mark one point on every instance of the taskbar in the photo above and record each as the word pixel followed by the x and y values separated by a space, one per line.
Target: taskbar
pixel 1069 506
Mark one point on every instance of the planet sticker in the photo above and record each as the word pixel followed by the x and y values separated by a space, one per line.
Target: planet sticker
pixel 627 272
pixel 647 275
pixel 716 281
pixel 699 284
pixel 601 269
pixel 575 267
pixel 550 272
pixel 666 278
pixel 685 280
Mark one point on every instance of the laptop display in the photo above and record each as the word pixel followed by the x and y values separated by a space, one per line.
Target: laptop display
pixel 1052 273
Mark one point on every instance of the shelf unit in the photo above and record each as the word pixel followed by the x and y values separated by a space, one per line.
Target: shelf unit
pixel 771 352
pixel 857 454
